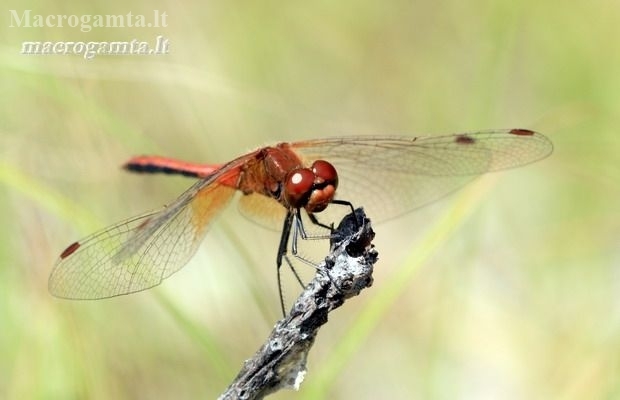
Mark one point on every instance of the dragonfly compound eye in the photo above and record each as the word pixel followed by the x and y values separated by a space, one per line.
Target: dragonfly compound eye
pixel 297 187
pixel 325 174
pixel 324 188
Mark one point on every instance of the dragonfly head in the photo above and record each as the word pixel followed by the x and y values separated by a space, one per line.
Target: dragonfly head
pixel 311 188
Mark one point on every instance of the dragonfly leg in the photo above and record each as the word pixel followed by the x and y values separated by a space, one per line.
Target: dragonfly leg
pixel 291 221
pixel 345 203
pixel 315 220
pixel 282 250
pixel 293 226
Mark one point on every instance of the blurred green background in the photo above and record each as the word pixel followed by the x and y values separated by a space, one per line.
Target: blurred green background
pixel 508 290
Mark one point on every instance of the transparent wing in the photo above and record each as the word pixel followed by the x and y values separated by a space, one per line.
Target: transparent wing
pixel 139 253
pixel 390 176
pixel 262 210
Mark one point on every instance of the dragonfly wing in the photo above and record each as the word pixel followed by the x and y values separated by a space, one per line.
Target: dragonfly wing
pixel 262 210
pixel 390 176
pixel 139 253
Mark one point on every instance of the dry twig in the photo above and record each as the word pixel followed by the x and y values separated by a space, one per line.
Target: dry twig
pixel 281 361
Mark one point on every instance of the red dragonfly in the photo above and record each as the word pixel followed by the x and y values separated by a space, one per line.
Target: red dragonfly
pixel 390 175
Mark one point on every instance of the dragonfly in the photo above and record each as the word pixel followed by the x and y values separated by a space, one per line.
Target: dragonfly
pixel 389 175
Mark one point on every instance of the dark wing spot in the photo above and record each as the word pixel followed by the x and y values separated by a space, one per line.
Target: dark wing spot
pixel 464 139
pixel 522 132
pixel 70 250
pixel 146 221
